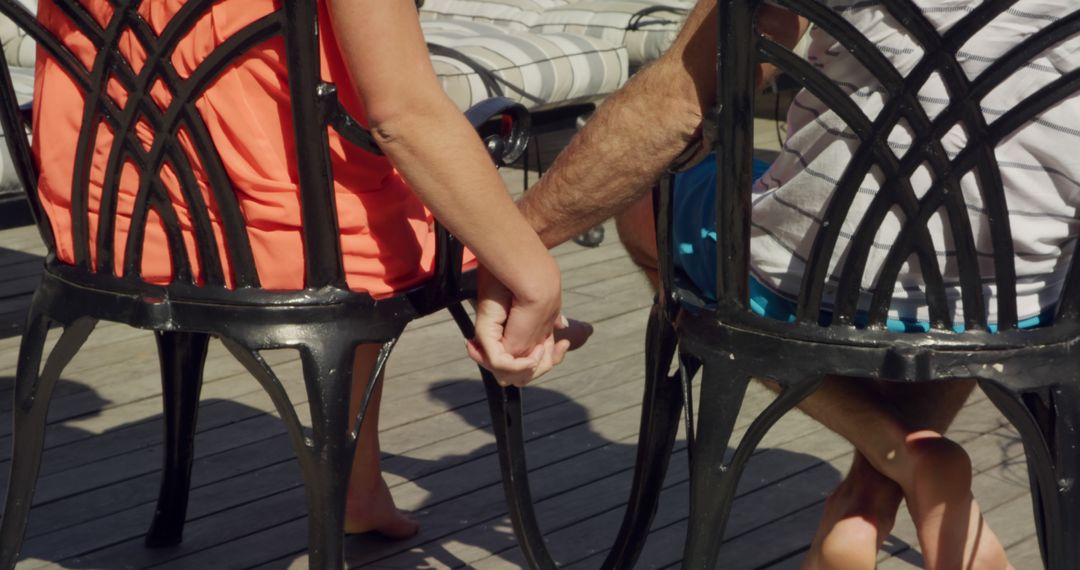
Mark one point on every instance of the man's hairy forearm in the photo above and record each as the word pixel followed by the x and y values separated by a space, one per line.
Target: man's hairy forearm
pixel 640 130
pixel 630 140
pixel 608 165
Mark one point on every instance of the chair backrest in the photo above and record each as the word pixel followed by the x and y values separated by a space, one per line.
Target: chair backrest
pixel 742 48
pixel 315 108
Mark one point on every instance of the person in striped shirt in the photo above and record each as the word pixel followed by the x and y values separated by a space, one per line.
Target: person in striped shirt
pixel 610 165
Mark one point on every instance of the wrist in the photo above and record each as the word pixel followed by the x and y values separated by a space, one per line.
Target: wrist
pixel 537 280
pixel 534 213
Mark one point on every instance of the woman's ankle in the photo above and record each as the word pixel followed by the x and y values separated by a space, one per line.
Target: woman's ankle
pixel 374 510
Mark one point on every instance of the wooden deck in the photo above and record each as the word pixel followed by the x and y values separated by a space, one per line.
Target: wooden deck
pixel 100 473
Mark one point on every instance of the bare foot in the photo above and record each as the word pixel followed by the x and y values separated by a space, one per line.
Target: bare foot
pixel 374 511
pixel 950 525
pixel 857 519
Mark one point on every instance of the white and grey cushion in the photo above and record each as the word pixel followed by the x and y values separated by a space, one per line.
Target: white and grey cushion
pixel 537 70
pixel 511 14
pixel 19 52
pixel 645 28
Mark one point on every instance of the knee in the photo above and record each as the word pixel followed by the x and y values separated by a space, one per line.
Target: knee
pixel 932 451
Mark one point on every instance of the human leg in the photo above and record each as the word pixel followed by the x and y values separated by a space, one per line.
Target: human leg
pixel 860 513
pixel 370 507
pixel 637 232
pixel 932 472
pixel 857 519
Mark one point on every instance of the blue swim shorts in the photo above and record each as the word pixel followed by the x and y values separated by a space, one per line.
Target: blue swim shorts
pixel 694 229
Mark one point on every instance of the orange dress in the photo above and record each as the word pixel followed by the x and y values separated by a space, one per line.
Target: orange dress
pixel 387 239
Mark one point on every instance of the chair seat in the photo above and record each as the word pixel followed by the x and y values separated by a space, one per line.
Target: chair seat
pixel 537 70
pixel 253 316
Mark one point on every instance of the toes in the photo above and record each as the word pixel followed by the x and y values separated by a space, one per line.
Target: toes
pixel 373 510
pixel 401 526
pixel 395 526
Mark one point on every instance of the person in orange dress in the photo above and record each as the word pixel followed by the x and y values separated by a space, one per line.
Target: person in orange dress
pixel 434 163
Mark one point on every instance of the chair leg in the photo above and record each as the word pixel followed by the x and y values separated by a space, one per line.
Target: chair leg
pixel 659 425
pixel 506 415
pixel 326 456
pixel 1049 423
pixel 182 357
pixel 711 487
pixel 1064 544
pixel 327 462
pixel 31 405
pixel 506 421
pixel 789 397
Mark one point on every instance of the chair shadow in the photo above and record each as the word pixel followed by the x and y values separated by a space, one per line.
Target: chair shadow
pixel 19 276
pixel 595 473
pixel 97 488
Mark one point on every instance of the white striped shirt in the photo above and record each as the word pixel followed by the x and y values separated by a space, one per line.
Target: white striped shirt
pixel 1040 163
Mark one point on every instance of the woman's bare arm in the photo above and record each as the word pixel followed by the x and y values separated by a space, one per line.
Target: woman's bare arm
pixel 443 160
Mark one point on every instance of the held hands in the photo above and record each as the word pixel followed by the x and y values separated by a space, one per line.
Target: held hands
pixel 520 338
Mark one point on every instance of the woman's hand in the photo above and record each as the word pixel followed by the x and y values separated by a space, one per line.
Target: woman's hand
pixel 521 337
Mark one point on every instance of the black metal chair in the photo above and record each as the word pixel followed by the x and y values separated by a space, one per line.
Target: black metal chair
pixel 1030 375
pixel 324 322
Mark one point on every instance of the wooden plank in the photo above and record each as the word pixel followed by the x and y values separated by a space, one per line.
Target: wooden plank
pixel 547 422
pixel 13 257
pixel 497 496
pixel 12 321
pixel 121 380
pixel 103 346
pixel 25 239
pixel 19 276
pixel 132 386
pixel 787 515
pixel 116 442
pixel 19 266
pixel 1025 554
pixel 815 446
pixel 607 455
pixel 602 494
pixel 614 337
pixel 101 470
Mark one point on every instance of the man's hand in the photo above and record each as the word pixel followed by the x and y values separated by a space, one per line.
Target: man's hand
pixel 517 340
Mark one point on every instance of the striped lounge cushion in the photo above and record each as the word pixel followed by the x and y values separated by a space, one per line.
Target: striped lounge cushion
pixel 511 14
pixel 538 70
pixel 23 80
pixel 646 29
pixel 19 51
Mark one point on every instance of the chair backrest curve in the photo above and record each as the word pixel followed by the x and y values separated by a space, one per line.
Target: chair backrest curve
pixel 839 270
pixel 314 103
